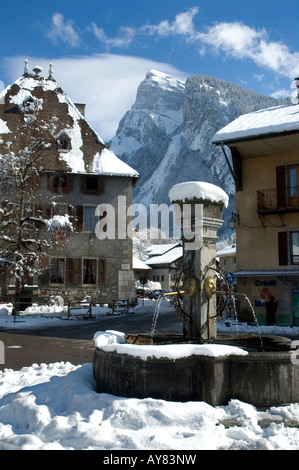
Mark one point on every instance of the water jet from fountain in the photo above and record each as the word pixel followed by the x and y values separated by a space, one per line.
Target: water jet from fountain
pixel 199 365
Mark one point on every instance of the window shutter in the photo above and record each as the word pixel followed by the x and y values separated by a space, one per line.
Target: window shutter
pixel 283 248
pixel 101 187
pixel 69 271
pixel 45 276
pixel 79 216
pixel 101 272
pixel 77 271
pixel 38 213
pixel 69 184
pixel 280 186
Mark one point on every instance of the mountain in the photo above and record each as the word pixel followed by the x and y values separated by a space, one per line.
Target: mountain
pixel 166 135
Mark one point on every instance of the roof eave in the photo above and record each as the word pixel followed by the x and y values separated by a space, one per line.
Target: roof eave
pixel 231 142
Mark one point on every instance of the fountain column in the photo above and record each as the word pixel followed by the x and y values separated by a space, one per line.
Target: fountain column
pixel 199 210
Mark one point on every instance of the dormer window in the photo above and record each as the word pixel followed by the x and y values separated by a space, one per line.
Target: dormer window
pixel 63 142
pixel 30 105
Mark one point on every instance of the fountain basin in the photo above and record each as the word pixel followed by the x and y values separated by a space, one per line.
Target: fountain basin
pixel 263 379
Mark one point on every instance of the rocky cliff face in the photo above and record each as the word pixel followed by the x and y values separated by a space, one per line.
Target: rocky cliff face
pixel 167 134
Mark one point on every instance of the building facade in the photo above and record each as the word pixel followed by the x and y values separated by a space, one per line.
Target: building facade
pixel 165 261
pixel 264 147
pixel 77 174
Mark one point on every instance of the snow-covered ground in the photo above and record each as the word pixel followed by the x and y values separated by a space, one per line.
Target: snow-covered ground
pixel 55 406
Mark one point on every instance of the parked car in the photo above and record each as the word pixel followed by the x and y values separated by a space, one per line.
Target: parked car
pixel 144 293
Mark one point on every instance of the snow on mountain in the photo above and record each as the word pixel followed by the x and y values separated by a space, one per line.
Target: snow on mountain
pixel 167 134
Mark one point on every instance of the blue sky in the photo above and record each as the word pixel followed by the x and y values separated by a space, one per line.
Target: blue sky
pixel 102 49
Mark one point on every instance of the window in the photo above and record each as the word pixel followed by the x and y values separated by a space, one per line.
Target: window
pixel 287 185
pixel 59 209
pixel 60 182
pixel 57 271
pixel 288 248
pixel 293 179
pixel 294 237
pixel 63 142
pixel 89 218
pixel 30 105
pixel 92 184
pixel 89 271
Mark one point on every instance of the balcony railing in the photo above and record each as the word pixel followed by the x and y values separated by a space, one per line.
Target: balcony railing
pixel 275 201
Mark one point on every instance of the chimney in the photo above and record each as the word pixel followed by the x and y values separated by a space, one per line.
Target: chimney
pixel 81 108
pixel 297 85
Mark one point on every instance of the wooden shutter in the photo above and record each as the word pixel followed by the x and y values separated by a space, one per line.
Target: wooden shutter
pixel 69 184
pixel 77 271
pixel 281 186
pixel 45 276
pixel 238 168
pixel 69 271
pixel 79 217
pixel 283 248
pixel 101 272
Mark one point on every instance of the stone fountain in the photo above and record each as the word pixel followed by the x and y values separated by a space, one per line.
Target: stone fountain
pixel 198 366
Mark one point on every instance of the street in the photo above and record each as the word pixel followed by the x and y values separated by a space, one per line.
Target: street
pixel 73 342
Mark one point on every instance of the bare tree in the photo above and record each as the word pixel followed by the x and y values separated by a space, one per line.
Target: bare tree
pixel 26 233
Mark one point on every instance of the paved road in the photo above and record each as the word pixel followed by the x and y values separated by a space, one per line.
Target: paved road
pixel 73 341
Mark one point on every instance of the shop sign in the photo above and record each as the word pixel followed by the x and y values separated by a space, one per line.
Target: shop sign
pixel 270 283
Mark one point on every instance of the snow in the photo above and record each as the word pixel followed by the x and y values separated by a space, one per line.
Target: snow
pixel 139 264
pixel 106 163
pixel 229 250
pixel 198 190
pixel 166 258
pixel 266 121
pixel 59 222
pixel 3 127
pixel 164 81
pixel 55 407
pixel 115 341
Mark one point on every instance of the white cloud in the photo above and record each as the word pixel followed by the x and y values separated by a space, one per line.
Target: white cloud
pixel 106 83
pixel 182 25
pixel 234 39
pixel 242 42
pixel 123 40
pixel 231 39
pixel 62 30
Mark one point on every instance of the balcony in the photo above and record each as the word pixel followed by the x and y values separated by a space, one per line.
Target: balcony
pixel 276 201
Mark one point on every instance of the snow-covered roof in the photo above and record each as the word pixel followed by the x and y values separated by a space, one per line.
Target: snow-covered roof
pixel 139 264
pixel 198 190
pixel 156 250
pixel 33 90
pixel 268 121
pixel 229 250
pixel 167 258
pixel 106 163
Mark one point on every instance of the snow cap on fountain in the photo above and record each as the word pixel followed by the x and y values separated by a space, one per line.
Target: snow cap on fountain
pixel 198 190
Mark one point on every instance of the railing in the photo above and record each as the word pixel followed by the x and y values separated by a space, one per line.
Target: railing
pixel 271 201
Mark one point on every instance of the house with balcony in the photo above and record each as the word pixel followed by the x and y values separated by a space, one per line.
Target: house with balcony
pixel 77 173
pixel 264 147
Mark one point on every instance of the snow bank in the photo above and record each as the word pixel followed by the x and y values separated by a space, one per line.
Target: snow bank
pixel 115 341
pixel 198 190
pixel 55 407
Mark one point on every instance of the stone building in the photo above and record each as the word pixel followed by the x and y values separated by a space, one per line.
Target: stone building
pixel 78 173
